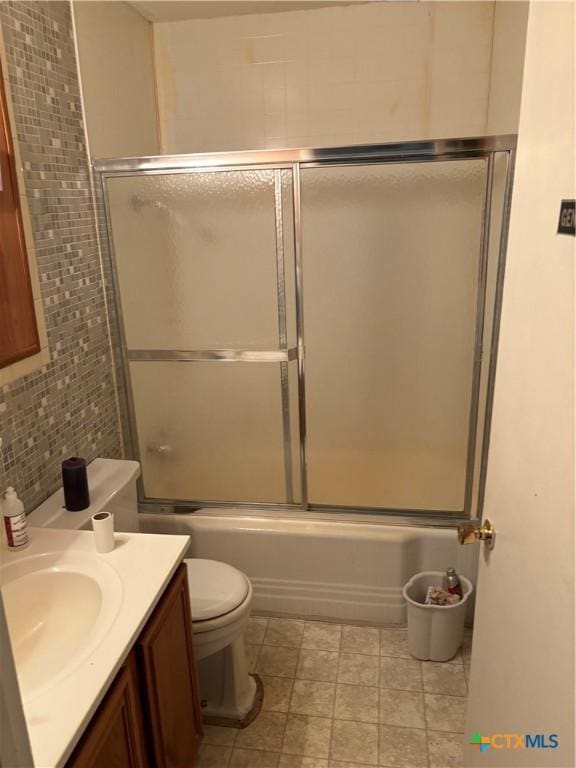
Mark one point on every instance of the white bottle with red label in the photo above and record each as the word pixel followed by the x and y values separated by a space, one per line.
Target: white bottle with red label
pixel 15 523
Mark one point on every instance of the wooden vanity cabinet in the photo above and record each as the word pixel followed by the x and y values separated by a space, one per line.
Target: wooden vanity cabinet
pixel 150 717
pixel 115 737
pixel 168 673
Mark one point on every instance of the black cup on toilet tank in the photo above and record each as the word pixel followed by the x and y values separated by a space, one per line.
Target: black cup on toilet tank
pixel 75 483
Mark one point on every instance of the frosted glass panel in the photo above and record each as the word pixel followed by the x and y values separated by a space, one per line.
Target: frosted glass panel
pixel 210 431
pixel 391 258
pixel 196 258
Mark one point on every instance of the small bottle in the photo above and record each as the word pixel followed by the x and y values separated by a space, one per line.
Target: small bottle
pixel 14 520
pixel 451 582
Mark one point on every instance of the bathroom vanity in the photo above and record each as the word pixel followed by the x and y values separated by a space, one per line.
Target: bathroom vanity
pixel 103 649
pixel 151 713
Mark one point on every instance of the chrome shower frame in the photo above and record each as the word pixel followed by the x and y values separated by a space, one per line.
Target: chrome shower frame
pixel 485 147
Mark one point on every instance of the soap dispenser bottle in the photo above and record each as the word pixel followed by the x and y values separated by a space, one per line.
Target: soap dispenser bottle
pixel 14 520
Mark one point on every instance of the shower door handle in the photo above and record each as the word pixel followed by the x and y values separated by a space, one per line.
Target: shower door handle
pixel 161 450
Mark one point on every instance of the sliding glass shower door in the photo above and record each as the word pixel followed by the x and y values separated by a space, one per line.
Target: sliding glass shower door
pixel 391 272
pixel 312 328
pixel 205 269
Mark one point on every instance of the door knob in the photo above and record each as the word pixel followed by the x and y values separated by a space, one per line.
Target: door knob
pixel 468 533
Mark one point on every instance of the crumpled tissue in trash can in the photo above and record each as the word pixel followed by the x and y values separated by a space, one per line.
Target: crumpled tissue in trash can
pixel 439 596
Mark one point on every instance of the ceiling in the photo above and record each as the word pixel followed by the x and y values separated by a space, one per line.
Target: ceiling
pixel 180 10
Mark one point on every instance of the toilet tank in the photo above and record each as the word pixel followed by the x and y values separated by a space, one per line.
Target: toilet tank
pixel 112 486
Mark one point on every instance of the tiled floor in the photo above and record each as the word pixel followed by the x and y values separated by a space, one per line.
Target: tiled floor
pixel 342 696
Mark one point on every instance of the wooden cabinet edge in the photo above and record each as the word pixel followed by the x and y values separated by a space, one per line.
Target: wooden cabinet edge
pixel 176 590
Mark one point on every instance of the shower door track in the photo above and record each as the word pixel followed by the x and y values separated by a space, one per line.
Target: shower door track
pixel 293 160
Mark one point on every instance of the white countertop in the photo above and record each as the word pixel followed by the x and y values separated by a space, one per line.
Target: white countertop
pixel 145 563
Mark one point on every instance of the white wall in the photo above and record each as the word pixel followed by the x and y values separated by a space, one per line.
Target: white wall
pixel 118 80
pixel 365 73
pixel 510 19
pixel 523 657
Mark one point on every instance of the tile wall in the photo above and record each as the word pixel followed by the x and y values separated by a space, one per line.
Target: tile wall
pixel 69 405
pixel 358 74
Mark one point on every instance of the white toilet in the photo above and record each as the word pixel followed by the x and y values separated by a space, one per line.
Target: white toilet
pixel 220 595
pixel 220 599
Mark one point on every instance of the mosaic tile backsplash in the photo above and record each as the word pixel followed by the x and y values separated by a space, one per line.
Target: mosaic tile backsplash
pixel 68 407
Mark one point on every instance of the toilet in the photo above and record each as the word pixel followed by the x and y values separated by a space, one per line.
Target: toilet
pixel 220 595
pixel 220 599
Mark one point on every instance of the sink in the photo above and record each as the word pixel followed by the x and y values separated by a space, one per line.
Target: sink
pixel 59 606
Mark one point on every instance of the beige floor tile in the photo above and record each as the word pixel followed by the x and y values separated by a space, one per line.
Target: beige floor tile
pixel 400 674
pixel 212 756
pixel 252 654
pixel 255 630
pixel 357 669
pixel 445 713
pixel 467 669
pixel 444 678
pixel 265 733
pixel 277 692
pixel 298 761
pixel 467 648
pixel 308 736
pixel 339 764
pixel 310 697
pixel 402 708
pixel 394 642
pixel 251 758
pixel 223 737
pixel 403 747
pixel 277 661
pixel 356 742
pixel 446 749
pixel 317 665
pixel 321 637
pixel 360 640
pixel 356 702
pixel 456 659
pixel 285 632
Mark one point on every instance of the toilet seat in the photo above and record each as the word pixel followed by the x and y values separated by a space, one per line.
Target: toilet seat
pixel 216 589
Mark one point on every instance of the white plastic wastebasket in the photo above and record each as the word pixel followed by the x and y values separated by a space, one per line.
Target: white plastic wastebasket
pixel 434 631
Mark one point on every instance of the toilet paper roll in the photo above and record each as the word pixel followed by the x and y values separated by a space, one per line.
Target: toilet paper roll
pixel 103 526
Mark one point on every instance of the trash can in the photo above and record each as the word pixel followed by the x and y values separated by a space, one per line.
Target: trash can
pixel 434 631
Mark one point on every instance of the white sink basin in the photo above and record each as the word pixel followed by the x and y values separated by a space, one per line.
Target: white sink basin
pixel 59 606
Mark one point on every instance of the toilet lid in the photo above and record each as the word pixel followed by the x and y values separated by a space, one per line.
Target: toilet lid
pixel 215 588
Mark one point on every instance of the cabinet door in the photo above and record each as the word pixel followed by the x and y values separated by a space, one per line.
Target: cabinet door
pixel 115 737
pixel 166 660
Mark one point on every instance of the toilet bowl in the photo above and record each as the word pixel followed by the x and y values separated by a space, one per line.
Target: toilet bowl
pixel 220 595
pixel 220 600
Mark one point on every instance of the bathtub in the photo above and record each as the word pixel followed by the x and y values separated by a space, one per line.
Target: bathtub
pixel 330 569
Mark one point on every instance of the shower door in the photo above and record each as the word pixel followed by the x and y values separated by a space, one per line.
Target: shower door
pixel 205 270
pixel 392 259
pixel 314 329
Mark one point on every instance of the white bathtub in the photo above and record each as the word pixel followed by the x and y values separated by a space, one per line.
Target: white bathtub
pixel 321 568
